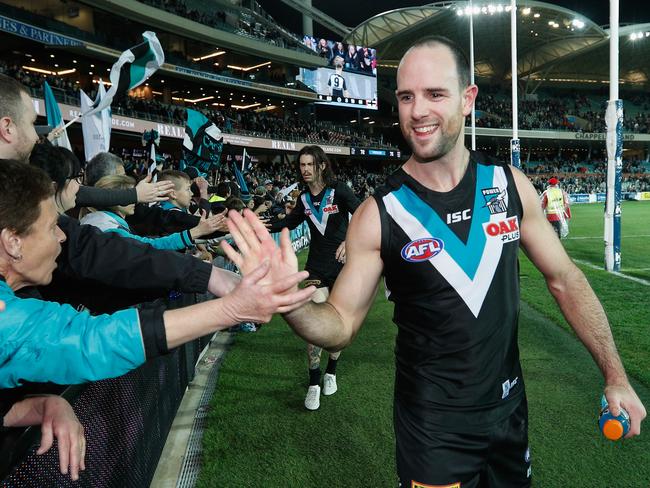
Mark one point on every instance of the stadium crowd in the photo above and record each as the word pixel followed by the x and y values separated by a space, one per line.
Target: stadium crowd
pixel 285 127
pixel 571 112
pixel 241 22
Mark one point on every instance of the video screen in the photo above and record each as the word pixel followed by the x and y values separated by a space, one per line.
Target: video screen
pixel 350 80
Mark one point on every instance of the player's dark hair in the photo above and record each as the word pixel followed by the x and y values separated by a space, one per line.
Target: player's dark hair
pixel 327 174
pixel 462 63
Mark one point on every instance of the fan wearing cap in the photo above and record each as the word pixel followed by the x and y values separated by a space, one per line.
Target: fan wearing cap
pixel 555 203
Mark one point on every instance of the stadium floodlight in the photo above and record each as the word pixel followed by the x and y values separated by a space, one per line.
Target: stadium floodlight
pixel 499 8
pixel 468 11
pixel 492 9
pixel 484 10
pixel 525 11
pixel 508 8
pixel 476 10
pixel 577 23
pixel 537 15
pixel 459 12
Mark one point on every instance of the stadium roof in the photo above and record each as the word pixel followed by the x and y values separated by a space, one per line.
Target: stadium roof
pixel 554 43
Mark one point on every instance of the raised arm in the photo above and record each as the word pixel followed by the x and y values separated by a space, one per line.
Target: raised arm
pixel 577 301
pixel 332 324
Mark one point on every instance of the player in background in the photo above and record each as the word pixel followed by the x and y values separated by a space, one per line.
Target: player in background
pixel 326 205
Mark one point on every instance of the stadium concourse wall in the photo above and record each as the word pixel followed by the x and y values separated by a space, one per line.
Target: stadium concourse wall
pixel 126 419
pixel 128 124
pixel 643 196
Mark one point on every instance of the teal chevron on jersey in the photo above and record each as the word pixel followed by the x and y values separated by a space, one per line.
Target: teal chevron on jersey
pixel 318 212
pixel 467 255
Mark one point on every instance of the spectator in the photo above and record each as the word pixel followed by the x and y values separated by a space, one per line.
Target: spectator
pixel 49 333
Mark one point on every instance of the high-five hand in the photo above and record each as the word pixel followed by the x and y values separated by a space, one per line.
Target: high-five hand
pixel 256 244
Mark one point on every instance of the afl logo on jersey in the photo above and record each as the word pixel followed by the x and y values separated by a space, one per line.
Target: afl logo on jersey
pixel 422 249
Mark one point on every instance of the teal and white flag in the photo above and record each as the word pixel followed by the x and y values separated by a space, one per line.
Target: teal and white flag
pixel 54 118
pixel 202 142
pixel 96 128
pixel 133 68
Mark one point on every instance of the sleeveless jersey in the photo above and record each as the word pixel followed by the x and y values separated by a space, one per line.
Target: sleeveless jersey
pixel 451 268
pixel 327 215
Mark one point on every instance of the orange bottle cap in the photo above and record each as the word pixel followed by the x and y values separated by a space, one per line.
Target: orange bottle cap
pixel 613 429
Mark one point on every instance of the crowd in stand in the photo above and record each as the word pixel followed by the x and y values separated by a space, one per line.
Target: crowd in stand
pixel 351 57
pixel 35 80
pixel 241 23
pixel 592 183
pixel 571 112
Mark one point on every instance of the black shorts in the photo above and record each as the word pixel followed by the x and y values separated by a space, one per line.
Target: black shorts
pixel 319 281
pixel 496 457
pixel 557 227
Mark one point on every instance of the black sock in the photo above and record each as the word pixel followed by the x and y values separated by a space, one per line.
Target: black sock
pixel 331 366
pixel 314 376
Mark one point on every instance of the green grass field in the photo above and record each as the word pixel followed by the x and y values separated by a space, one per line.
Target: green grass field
pixel 260 435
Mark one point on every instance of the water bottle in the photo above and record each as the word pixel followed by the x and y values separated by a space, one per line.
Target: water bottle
pixel 613 427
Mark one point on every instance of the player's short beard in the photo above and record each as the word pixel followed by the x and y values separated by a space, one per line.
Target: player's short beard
pixel 446 143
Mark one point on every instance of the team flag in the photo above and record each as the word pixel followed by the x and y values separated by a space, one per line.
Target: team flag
pixel 54 118
pixel 246 162
pixel 285 191
pixel 96 128
pixel 151 139
pixel 243 187
pixel 202 143
pixel 133 68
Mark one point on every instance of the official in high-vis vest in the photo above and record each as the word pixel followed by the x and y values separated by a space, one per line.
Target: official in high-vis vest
pixel 555 203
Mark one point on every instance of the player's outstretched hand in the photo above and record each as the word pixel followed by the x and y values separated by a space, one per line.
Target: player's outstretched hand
pixel 256 244
pixel 624 396
pixel 255 299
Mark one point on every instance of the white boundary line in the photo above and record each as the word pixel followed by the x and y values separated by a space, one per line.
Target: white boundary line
pixel 631 278
pixel 601 237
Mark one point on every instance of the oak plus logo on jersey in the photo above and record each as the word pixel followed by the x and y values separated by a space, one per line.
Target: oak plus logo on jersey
pixel 507 230
pixel 331 209
pixel 422 249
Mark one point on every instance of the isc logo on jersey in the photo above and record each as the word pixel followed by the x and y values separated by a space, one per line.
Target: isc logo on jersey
pixel 422 249
pixel 506 230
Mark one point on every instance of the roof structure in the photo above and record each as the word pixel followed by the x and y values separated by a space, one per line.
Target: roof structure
pixel 554 43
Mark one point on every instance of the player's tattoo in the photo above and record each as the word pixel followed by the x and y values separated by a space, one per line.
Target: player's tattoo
pixel 313 352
